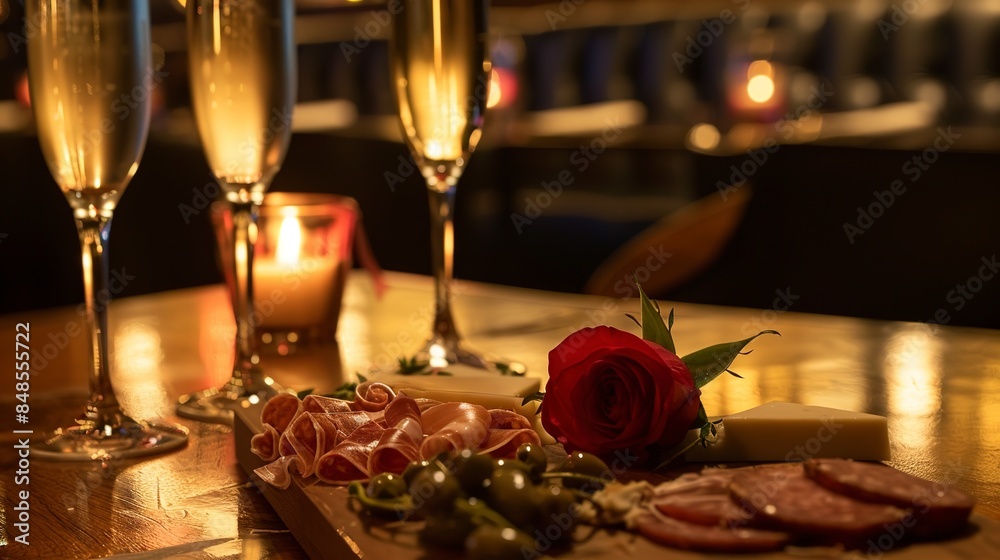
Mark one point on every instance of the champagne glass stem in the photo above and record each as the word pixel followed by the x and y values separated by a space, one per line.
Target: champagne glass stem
pixel 442 205
pixel 244 236
pixel 103 408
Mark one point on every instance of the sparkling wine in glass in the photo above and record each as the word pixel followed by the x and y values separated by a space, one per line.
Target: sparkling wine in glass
pixel 84 56
pixel 441 70
pixel 242 69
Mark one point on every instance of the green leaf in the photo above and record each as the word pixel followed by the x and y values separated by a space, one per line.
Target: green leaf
pixel 709 433
pixel 702 419
pixel 410 366
pixel 539 396
pixel 304 393
pixel 708 363
pixel 653 327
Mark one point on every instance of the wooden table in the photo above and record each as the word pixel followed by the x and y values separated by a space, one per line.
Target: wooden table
pixel 938 386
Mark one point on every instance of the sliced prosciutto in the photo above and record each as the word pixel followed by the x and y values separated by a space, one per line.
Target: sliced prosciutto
pixel 348 461
pixel 453 426
pixel 372 396
pixel 319 404
pixel 508 430
pixel 380 431
pixel 399 445
pixel 278 473
pixel 312 435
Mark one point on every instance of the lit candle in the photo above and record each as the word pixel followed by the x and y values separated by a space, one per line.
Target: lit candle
pixel 292 289
pixel 755 90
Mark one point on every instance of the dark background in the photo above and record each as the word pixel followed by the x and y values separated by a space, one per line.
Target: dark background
pixel 792 237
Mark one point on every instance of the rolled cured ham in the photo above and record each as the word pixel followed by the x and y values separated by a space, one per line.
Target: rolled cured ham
pixel 399 445
pixel 341 441
pixel 453 426
pixel 348 461
pixel 280 410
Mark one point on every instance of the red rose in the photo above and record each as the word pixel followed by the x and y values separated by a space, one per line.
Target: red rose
pixel 610 390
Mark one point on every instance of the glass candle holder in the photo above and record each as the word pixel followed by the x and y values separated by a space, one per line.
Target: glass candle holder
pixel 302 255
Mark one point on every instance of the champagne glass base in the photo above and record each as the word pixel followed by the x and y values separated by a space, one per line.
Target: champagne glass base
pixel 126 440
pixel 441 353
pixel 218 405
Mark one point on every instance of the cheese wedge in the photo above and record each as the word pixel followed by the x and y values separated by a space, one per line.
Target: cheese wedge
pixel 781 431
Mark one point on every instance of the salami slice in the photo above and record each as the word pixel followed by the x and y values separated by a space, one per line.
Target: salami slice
pixel 784 498
pixel 939 510
pixel 265 444
pixel 702 499
pixel 690 536
pixel 280 410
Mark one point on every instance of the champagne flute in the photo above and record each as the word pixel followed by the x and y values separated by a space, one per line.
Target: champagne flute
pixel 242 69
pixel 441 69
pixel 86 61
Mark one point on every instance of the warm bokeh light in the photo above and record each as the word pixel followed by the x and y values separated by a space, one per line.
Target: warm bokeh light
pixel 913 379
pixel 496 94
pixel 137 357
pixel 289 241
pixel 760 81
pixel 704 136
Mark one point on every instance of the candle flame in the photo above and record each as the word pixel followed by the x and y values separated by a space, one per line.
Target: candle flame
pixel 760 83
pixel 289 241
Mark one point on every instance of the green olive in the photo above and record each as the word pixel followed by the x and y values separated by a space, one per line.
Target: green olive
pixel 473 472
pixel 447 530
pixel 513 495
pixel 556 509
pixel 514 464
pixel 489 542
pixel 434 491
pixel 386 486
pixel 534 456
pixel 583 463
pixel 411 470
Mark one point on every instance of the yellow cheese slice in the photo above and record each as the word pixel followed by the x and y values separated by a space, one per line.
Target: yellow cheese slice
pixel 781 431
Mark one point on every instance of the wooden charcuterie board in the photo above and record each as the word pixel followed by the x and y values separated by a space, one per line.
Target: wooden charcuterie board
pixel 328 528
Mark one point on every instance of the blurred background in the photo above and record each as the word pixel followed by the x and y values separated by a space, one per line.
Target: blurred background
pixel 835 156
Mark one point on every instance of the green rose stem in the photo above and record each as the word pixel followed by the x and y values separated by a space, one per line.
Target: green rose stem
pixel 401 507
pixel 596 480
